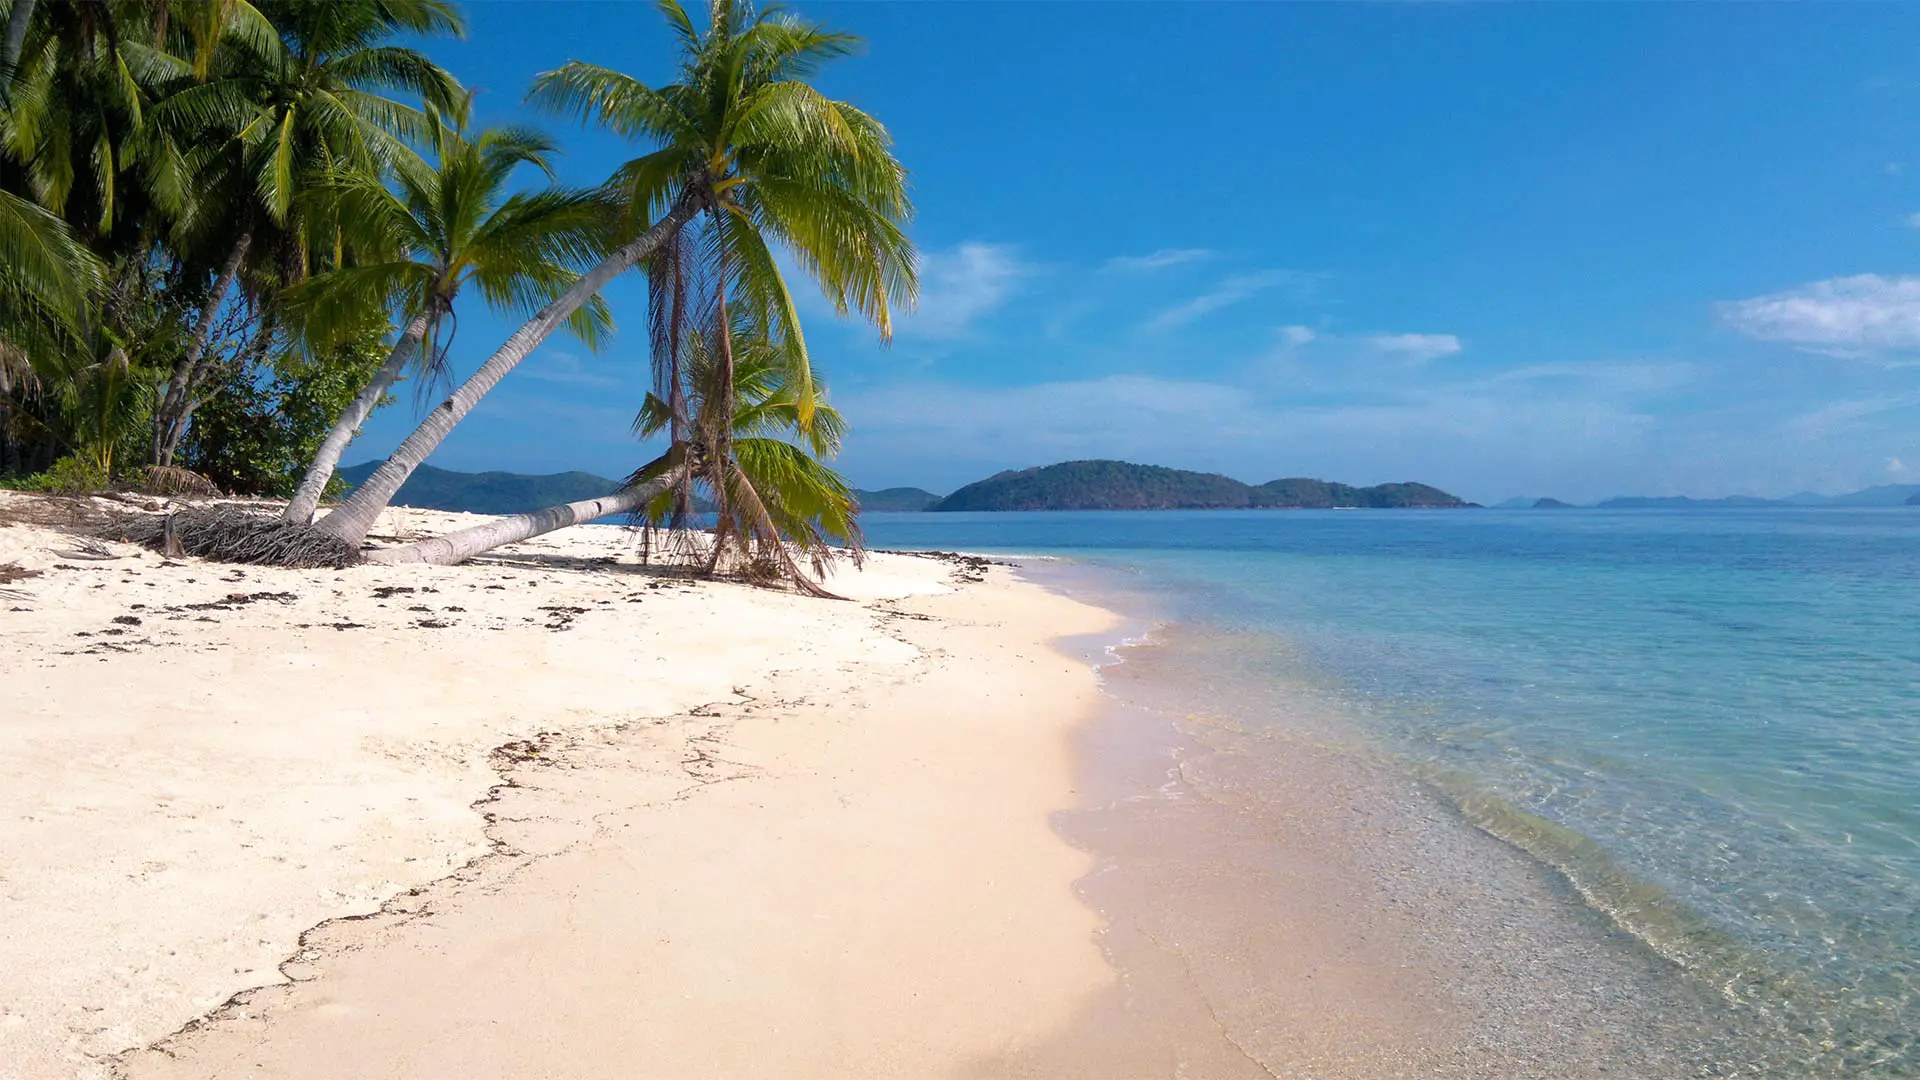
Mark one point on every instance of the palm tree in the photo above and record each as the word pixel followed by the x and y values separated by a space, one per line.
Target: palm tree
pixel 74 122
pixel 50 279
pixel 46 295
pixel 278 114
pixel 743 136
pixel 87 184
pixel 757 456
pixel 446 228
pixel 778 496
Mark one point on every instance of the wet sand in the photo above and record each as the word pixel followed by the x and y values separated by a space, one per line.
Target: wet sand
pixel 1283 899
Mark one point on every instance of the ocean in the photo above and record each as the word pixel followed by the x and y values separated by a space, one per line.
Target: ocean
pixel 1705 724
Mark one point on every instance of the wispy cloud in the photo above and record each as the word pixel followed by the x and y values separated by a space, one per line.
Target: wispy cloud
pixel 960 285
pixel 1413 348
pixel 1229 292
pixel 1840 417
pixel 1157 260
pixel 1847 316
pixel 565 368
pixel 1304 345
pixel 1551 427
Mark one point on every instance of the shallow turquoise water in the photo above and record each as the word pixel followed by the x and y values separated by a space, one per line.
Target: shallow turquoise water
pixel 1719 710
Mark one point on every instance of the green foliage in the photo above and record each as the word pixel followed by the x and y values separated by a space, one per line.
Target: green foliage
pixel 1120 485
pixel 68 476
pixel 1099 485
pixel 140 138
pixel 261 425
pixel 427 233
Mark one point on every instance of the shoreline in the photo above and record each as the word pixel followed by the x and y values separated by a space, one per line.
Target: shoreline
pixel 842 821
pixel 977 784
pixel 1368 928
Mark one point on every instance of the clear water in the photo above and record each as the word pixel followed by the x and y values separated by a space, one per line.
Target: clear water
pixel 1708 721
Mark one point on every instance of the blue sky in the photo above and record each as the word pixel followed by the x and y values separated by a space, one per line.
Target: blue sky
pixel 1570 250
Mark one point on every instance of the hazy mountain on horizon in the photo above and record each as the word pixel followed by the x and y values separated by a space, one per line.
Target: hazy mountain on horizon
pixel 1878 495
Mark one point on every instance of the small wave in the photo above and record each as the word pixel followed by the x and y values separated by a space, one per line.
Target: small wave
pixel 1815 1028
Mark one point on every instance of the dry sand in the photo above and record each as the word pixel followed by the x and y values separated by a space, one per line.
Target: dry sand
pixel 740 832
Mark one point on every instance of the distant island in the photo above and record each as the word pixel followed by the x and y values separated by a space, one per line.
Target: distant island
pixel 1080 485
pixel 1121 485
pixel 1881 495
pixel 896 500
pixel 431 488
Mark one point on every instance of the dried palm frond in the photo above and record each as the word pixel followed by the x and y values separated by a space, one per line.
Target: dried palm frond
pixel 235 534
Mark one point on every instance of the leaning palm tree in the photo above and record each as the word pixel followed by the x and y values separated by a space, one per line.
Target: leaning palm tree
pixel 277 115
pixel 446 228
pixel 777 499
pixel 742 135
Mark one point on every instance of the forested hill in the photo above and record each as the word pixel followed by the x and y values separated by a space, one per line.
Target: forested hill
pixel 1120 485
pixel 896 499
pixel 487 492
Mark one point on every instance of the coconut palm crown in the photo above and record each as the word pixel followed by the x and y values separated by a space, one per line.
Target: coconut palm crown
pixel 777 162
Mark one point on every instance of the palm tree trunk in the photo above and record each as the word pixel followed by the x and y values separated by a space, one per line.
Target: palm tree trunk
pixel 355 516
pixel 463 545
pixel 17 21
pixel 306 499
pixel 170 418
pixel 720 439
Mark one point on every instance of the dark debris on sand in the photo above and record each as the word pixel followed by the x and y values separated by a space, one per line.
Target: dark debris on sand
pixel 967 569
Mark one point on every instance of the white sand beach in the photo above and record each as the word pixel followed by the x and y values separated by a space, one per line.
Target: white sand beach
pixel 577 792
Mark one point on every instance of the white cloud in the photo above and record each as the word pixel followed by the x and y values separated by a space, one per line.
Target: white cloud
pixel 1157 260
pixel 959 286
pixel 1846 316
pixel 1552 428
pixel 1896 467
pixel 1413 348
pixel 1845 415
pixel 1626 378
pixel 567 369
pixel 1229 292
pixel 1302 348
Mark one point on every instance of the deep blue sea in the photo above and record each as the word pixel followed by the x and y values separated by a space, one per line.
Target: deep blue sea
pixel 1707 721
